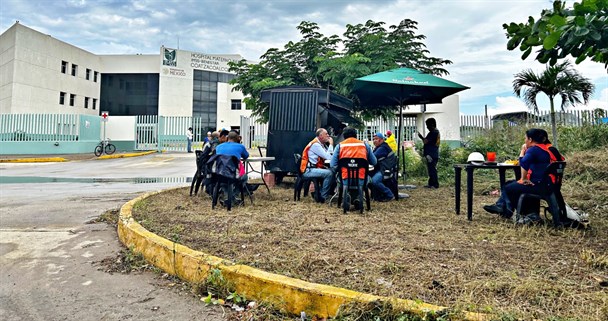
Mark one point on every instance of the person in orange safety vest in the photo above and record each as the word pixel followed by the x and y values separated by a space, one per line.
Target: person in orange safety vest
pixel 351 147
pixel 313 159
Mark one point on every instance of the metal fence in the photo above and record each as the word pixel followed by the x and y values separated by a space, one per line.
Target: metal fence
pixel 255 134
pixel 475 125
pixel 39 127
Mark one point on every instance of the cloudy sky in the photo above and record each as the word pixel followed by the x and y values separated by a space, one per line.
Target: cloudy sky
pixel 468 32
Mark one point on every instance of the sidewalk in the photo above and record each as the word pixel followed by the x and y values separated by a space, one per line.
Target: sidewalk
pixel 66 157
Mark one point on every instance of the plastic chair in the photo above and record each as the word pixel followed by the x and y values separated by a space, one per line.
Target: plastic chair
pixel 390 172
pixel 552 178
pixel 303 182
pixel 353 166
pixel 223 171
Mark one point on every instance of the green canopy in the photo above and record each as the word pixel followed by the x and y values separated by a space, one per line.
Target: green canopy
pixel 403 86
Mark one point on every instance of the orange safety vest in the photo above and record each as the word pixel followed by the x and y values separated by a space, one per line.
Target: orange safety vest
pixel 304 162
pixel 352 148
pixel 552 159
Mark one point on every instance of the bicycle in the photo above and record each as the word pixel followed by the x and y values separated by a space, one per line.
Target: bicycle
pixel 106 146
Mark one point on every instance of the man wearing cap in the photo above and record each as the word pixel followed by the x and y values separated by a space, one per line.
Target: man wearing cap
pixel 386 160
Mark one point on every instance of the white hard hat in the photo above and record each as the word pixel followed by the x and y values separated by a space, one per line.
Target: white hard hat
pixel 475 158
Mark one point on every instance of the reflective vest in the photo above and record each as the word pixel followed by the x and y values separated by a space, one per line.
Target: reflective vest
pixel 552 159
pixel 304 162
pixel 352 148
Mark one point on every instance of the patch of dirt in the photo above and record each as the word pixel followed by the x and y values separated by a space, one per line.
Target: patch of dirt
pixel 415 248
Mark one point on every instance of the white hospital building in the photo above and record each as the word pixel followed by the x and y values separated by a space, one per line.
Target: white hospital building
pixel 44 75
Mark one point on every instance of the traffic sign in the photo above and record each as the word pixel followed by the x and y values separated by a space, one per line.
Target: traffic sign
pixel 105 115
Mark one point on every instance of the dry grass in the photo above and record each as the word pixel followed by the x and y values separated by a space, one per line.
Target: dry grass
pixel 415 248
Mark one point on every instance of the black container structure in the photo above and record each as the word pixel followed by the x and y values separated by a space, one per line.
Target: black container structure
pixel 295 113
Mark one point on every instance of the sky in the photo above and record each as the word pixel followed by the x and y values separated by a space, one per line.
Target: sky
pixel 467 32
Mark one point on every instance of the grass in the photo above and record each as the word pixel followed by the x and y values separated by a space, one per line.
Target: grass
pixel 415 248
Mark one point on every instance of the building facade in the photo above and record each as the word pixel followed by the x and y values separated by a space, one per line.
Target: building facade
pixel 44 75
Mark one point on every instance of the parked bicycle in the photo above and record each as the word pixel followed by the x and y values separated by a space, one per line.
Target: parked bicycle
pixel 105 146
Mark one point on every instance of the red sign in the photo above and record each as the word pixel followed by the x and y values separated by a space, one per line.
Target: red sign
pixel 104 116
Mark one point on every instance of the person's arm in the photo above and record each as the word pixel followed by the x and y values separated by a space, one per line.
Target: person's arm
pixel 371 158
pixel 318 150
pixel 334 158
pixel 244 153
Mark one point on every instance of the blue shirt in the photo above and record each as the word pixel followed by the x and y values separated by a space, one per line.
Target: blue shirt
pixel 382 151
pixel 537 160
pixel 233 149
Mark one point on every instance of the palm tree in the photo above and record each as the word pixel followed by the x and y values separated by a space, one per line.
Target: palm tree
pixel 559 80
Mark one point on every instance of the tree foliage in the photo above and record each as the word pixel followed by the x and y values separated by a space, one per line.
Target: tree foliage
pixel 580 31
pixel 316 60
pixel 559 80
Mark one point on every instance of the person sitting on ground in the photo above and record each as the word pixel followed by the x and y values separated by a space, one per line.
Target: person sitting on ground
pixel 535 155
pixel 351 147
pixel 313 161
pixel 390 141
pixel 382 152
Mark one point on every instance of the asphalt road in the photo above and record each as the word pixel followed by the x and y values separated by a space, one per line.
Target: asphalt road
pixel 49 254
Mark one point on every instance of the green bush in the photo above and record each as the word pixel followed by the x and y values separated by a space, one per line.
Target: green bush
pixel 506 141
pixel 587 137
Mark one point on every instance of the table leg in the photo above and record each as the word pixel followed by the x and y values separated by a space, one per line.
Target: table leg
pixel 470 193
pixel 502 174
pixel 517 173
pixel 457 175
pixel 263 179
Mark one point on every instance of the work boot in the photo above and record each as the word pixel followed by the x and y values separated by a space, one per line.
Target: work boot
pixel 494 209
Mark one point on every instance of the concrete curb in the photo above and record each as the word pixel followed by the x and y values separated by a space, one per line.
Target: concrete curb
pixel 34 160
pixel 126 155
pixel 291 294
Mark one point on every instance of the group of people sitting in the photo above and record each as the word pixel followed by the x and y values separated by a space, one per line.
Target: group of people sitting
pixel 224 142
pixel 321 149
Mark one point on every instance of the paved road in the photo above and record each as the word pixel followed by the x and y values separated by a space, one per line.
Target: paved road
pixel 48 252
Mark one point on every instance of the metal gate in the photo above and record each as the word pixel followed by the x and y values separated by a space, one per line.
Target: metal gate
pixel 168 133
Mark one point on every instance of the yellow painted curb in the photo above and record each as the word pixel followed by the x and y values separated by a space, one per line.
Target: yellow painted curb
pixel 34 160
pixel 126 155
pixel 291 294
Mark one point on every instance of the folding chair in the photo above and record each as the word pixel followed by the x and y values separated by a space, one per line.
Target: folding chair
pixel 302 182
pixel 224 172
pixel 353 166
pixel 552 179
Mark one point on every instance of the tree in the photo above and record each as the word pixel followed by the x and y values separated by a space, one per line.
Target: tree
pixel 581 31
pixel 559 80
pixel 315 60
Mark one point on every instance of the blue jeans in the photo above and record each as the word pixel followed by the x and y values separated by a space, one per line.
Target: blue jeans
pixel 383 191
pixel 326 174
pixel 189 145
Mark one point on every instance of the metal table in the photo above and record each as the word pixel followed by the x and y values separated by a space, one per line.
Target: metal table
pixel 470 168
pixel 250 169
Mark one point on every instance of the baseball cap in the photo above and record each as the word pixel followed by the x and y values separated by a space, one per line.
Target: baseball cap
pixel 388 132
pixel 379 135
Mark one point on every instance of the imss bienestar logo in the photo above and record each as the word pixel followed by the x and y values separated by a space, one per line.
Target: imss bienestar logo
pixel 170 57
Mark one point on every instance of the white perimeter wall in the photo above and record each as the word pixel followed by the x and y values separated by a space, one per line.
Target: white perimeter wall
pixel 447 115
pixel 120 128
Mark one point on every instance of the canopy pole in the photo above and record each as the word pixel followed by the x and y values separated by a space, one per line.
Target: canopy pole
pixel 400 150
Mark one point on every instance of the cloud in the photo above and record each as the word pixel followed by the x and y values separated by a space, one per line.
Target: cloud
pixel 467 32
